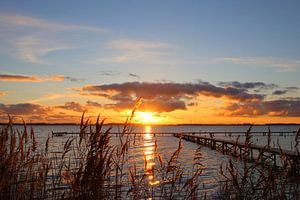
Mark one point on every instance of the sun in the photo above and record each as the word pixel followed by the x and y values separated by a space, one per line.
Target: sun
pixel 146 117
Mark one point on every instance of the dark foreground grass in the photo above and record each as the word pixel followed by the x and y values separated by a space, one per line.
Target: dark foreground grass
pixel 91 167
pixel 252 181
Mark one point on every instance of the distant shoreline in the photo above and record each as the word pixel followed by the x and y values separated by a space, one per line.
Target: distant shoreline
pixel 120 124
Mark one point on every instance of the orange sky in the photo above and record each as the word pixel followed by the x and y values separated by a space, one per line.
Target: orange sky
pixel 213 62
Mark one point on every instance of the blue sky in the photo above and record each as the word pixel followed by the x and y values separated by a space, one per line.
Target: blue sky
pixel 106 42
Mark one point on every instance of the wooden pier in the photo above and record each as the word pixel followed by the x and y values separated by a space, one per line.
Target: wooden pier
pixel 264 155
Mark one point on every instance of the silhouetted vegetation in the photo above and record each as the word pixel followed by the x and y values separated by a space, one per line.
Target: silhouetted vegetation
pixel 90 166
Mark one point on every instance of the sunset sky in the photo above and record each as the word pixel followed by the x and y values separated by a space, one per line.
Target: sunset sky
pixel 189 61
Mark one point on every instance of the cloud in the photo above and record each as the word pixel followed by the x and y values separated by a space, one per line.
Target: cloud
pixel 248 85
pixel 33 48
pixel 109 73
pixel 193 104
pixel 32 22
pixel 284 91
pixel 138 51
pixel 134 75
pixel 35 113
pixel 24 109
pixel 292 88
pixel 78 107
pixel 74 106
pixel 282 107
pixel 72 79
pixel 280 92
pixel 31 39
pixel 34 78
pixel 2 93
pixel 164 97
pixel 280 63
pixel 43 113
pixel 93 104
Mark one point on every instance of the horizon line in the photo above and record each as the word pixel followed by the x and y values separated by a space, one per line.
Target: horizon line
pixel 138 124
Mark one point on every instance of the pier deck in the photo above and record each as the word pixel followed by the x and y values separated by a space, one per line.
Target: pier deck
pixel 264 155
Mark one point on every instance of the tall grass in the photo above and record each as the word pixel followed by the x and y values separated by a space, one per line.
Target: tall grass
pixel 91 166
pixel 23 169
pixel 252 181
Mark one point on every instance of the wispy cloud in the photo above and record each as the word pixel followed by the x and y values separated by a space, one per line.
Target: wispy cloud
pixel 32 48
pixel 25 21
pixel 32 38
pixel 33 78
pixel 55 96
pixel 138 51
pixel 2 93
pixel 280 63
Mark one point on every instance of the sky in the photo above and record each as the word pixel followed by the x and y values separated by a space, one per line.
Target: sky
pixel 177 61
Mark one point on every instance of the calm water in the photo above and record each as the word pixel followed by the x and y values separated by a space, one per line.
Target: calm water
pixel 144 147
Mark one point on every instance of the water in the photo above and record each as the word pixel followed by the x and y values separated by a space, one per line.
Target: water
pixel 143 152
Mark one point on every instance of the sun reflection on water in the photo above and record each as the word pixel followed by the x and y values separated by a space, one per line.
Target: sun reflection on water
pixel 149 154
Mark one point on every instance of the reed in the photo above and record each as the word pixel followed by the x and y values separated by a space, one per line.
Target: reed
pixel 91 166
pixel 23 169
pixel 255 182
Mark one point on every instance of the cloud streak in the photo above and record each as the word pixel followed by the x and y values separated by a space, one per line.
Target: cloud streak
pixel 248 85
pixel 34 78
pixel 138 51
pixel 33 38
pixel 32 22
pixel 280 63
pixel 33 48
pixel 134 75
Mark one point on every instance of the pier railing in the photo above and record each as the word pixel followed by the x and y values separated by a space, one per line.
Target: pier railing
pixel 265 155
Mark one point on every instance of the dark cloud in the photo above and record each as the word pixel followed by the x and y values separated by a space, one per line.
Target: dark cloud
pixel 151 90
pixel 134 75
pixel 193 104
pixel 165 97
pixel 109 73
pixel 74 106
pixel 93 104
pixel 23 109
pixel 248 85
pixel 280 92
pixel 159 104
pixel 284 91
pixel 72 79
pixel 283 107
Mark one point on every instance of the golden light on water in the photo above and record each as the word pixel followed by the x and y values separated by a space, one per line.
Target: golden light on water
pixel 149 154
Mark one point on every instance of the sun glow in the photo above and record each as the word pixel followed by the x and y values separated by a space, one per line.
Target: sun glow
pixel 146 117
